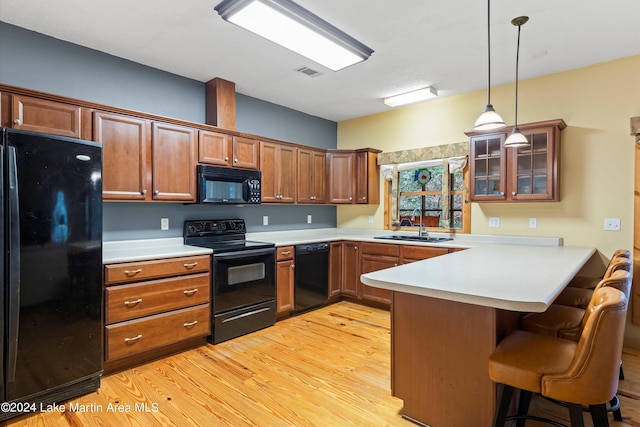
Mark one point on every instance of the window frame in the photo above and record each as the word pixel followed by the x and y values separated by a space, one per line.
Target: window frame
pixel 466 205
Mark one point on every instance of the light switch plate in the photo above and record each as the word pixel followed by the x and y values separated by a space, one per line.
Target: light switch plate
pixel 494 222
pixel 309 219
pixel 164 223
pixel 265 220
pixel 533 223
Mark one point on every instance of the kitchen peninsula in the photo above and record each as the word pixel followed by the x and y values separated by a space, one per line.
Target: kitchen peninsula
pixel 449 313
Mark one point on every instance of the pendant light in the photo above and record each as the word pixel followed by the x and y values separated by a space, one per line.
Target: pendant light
pixel 489 119
pixel 516 139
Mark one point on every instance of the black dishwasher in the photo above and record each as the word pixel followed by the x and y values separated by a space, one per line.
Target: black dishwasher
pixel 311 280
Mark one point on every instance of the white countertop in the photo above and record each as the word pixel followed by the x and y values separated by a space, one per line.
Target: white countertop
pixel 142 250
pixel 517 278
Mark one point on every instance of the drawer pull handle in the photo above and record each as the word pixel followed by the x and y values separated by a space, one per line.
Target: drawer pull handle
pixel 190 324
pixel 135 302
pixel 131 273
pixel 133 339
pixel 286 253
pixel 190 266
pixel 190 292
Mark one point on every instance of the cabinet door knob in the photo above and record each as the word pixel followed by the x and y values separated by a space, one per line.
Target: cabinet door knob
pixel 355 248
pixel 143 192
pixel 502 193
pixel 17 122
pixel 226 159
pixel 293 266
pixel 156 192
pixel 350 198
pixel 235 160
pixel 513 193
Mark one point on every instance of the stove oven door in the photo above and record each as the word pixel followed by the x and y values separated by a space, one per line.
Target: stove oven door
pixel 243 278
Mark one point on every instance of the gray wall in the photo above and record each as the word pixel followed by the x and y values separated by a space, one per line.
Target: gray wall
pixel 32 60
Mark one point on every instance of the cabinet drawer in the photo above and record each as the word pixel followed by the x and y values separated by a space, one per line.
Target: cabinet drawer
pixel 284 253
pixel 136 271
pixel 415 253
pixel 380 249
pixel 136 336
pixel 126 302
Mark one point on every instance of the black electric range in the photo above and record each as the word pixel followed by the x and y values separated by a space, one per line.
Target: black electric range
pixel 243 281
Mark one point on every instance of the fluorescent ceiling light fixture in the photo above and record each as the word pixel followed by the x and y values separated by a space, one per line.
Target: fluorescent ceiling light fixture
pixel 411 97
pixel 290 25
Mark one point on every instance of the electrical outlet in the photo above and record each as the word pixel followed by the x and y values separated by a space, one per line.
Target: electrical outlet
pixel 309 219
pixel 164 223
pixel 265 220
pixel 370 219
pixel 494 222
pixel 612 224
pixel 533 223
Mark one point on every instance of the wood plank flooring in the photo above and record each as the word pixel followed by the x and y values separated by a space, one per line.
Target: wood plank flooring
pixel 328 367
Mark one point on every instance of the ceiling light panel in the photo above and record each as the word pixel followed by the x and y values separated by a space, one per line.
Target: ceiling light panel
pixel 411 97
pixel 291 26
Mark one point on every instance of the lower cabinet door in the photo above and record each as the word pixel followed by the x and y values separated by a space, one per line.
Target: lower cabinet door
pixel 136 336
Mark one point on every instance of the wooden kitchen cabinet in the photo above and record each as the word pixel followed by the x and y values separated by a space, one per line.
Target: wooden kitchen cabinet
pixel 341 175
pixel 144 160
pixel 516 174
pixel 246 153
pixel 350 268
pixel 278 167
pixel 215 148
pixel 174 153
pixel 367 177
pixel 285 275
pixel 126 155
pixel 335 269
pixel 40 115
pixel 353 176
pixel 220 149
pixel 155 307
pixel 311 176
pixel 374 257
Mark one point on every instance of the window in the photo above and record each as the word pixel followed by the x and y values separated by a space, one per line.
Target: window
pixel 424 193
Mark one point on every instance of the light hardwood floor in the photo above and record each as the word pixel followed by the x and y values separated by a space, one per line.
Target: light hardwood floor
pixel 328 367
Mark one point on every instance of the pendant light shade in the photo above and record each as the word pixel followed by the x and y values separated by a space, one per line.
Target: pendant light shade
pixel 516 139
pixel 489 119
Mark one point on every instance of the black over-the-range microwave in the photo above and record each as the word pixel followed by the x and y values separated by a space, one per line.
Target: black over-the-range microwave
pixel 227 186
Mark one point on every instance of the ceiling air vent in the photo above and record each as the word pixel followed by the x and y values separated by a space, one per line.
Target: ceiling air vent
pixel 309 72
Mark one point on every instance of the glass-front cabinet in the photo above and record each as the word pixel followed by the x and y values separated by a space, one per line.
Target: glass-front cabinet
pixel 516 174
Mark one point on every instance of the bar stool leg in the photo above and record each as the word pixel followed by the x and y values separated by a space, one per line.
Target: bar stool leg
pixel 575 414
pixel 523 407
pixel 599 415
pixel 506 393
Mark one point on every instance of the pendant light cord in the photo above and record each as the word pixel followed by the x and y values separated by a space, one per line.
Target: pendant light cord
pixel 517 66
pixel 488 52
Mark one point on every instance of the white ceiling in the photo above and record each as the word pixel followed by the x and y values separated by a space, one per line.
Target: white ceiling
pixel 416 42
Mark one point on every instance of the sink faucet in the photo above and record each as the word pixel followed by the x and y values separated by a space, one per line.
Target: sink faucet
pixel 421 231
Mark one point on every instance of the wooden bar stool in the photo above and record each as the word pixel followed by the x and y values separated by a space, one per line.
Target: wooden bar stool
pixel 590 282
pixel 579 296
pixel 581 374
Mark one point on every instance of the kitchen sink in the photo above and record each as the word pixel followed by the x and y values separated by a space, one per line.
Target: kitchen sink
pixel 425 239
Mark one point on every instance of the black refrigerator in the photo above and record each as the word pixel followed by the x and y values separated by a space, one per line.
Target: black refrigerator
pixel 51 240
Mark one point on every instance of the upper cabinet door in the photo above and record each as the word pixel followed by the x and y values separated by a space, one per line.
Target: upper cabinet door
pixel 342 177
pixel 311 181
pixel 39 115
pixel 174 162
pixel 246 153
pixel 535 168
pixel 488 167
pixel 126 156
pixel 215 148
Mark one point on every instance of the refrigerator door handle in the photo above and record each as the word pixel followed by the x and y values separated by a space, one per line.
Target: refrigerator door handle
pixel 13 264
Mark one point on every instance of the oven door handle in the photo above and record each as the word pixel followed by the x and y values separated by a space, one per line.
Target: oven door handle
pixel 226 256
